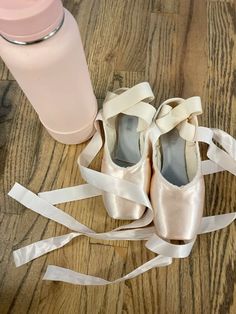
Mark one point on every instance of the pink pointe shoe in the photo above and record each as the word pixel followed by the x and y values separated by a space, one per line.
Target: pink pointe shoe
pixel 177 187
pixel 126 120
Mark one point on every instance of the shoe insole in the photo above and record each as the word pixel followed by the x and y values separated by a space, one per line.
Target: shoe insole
pixel 127 149
pixel 173 158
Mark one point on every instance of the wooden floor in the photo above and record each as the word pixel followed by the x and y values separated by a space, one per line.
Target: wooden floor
pixel 182 48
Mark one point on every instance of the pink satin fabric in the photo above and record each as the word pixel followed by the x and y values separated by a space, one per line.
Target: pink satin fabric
pixel 177 210
pixel 140 174
pixel 131 101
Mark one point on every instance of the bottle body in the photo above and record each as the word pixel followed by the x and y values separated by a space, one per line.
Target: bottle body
pixel 55 78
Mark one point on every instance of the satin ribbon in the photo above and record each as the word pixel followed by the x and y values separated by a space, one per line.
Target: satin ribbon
pixel 133 101
pixel 99 182
pixel 178 251
pixel 174 116
pixel 226 159
pixel 155 244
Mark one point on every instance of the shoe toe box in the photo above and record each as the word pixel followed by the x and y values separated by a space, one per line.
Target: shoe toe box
pixel 177 210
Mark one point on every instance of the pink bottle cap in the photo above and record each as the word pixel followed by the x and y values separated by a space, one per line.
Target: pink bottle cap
pixel 29 20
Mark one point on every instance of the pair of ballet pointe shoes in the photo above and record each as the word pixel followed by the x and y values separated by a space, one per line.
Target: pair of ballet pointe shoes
pixel 158 151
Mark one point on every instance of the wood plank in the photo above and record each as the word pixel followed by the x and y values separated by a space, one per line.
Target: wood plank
pixel 221 113
pixel 20 129
pixel 133 36
pixel 160 65
pixel 192 73
pixel 165 6
pixel 4 72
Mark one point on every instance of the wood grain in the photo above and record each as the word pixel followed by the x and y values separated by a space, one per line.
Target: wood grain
pixel 183 48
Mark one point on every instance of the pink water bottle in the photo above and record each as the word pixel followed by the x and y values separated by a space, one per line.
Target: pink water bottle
pixel 41 45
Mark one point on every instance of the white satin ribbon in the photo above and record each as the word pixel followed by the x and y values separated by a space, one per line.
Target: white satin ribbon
pixel 154 244
pixel 114 105
pixel 42 207
pixel 57 273
pixel 174 116
pixel 70 194
pixel 162 247
pixel 130 102
pixel 225 159
pixel 209 167
pixel 157 245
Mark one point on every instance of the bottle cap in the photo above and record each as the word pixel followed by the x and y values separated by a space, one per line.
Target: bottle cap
pixel 29 20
